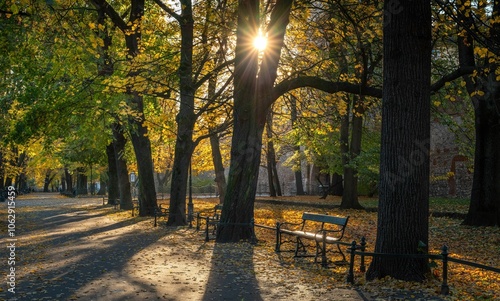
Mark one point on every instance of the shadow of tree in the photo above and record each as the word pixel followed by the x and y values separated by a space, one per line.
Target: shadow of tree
pixel 232 274
pixel 71 250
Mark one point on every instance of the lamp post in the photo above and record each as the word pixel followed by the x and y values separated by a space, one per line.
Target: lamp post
pixel 190 201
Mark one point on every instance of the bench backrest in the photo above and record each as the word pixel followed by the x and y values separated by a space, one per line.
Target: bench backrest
pixel 323 218
pixel 337 221
pixel 217 210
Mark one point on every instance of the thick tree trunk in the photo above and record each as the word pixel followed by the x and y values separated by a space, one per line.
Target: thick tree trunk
pixel 246 145
pixel 186 119
pixel 63 183
pixel 350 193
pixel 403 223
pixel 220 177
pixel 81 181
pixel 142 150
pixel 337 185
pixel 48 179
pixel 113 186
pixel 484 209
pixel 252 101
pixel 69 180
pixel 121 168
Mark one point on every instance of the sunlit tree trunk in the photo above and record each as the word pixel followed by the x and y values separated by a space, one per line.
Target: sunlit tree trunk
pixel 252 100
pixel 186 118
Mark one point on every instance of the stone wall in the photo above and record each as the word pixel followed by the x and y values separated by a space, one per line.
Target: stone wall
pixel 450 175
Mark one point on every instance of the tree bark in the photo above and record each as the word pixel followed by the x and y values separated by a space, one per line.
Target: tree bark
pixel 272 170
pixel 403 223
pixel 138 130
pixel 350 193
pixel 298 165
pixel 220 177
pixel 113 186
pixel 142 150
pixel 484 208
pixel 121 168
pixel 49 177
pixel 186 118
pixel 252 100
pixel 81 181
pixel 69 180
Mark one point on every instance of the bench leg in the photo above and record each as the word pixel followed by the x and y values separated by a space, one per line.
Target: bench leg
pixel 341 253
pixel 278 238
pixel 299 245
pixel 207 238
pixel 323 253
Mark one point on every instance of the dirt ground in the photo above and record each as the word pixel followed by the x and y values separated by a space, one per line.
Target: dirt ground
pixel 78 249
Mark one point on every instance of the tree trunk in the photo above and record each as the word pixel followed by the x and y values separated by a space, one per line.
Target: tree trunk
pixel 350 193
pixel 403 211
pixel 252 101
pixel 103 187
pixel 81 181
pixel 220 178
pixel 113 186
pixel 298 165
pixel 48 179
pixel 139 132
pixel 272 170
pixel 484 208
pixel 63 183
pixel 186 120
pixel 69 180
pixel 337 184
pixel 142 150
pixel 121 168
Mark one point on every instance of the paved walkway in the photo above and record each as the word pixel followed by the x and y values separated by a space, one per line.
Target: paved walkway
pixel 74 249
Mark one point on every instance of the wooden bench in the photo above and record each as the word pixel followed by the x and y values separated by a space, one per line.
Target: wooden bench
pixel 160 212
pixel 211 218
pixel 322 229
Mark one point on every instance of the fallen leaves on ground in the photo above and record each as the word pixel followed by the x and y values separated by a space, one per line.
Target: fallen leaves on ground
pixel 136 267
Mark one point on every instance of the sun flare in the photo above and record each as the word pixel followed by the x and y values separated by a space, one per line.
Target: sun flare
pixel 260 42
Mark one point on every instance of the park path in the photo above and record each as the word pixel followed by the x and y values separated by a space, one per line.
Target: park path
pixel 78 249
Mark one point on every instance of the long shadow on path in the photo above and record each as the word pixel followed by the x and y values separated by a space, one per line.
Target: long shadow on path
pixel 232 274
pixel 72 250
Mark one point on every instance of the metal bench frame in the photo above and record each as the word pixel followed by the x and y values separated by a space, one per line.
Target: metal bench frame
pixel 321 228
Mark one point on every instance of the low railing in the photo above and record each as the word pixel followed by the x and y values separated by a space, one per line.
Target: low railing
pixel 356 249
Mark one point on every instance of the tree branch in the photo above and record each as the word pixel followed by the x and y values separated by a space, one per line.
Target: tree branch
pixel 323 85
pixel 112 14
pixel 168 10
pixel 451 77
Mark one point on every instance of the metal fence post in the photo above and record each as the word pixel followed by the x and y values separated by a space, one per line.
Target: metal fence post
pixel 362 267
pixel 350 276
pixel 445 290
